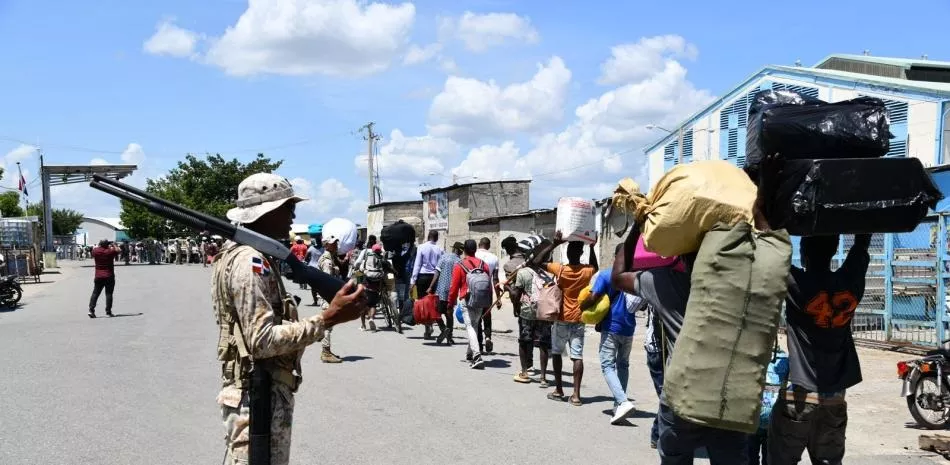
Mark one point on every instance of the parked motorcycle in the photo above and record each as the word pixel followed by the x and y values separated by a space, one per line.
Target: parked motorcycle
pixel 10 291
pixel 927 387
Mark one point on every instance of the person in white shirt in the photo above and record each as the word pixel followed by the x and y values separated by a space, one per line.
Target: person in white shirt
pixel 484 330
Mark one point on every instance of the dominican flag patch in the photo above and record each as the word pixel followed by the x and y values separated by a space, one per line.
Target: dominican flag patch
pixel 260 266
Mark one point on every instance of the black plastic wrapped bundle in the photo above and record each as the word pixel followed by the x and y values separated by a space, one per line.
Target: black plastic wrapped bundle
pixel 801 127
pixel 397 234
pixel 852 196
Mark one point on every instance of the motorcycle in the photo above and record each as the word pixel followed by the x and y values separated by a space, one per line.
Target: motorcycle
pixel 10 291
pixel 927 387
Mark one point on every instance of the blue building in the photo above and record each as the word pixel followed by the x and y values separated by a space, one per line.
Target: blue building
pixel 906 299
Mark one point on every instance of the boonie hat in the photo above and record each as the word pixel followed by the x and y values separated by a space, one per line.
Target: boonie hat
pixel 260 194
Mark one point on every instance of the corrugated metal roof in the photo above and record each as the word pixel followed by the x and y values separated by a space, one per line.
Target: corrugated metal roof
pixel 455 186
pixel 939 87
pixel 902 62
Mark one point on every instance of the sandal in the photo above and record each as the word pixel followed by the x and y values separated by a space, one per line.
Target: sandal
pixel 544 384
pixel 576 402
pixel 556 396
pixel 522 378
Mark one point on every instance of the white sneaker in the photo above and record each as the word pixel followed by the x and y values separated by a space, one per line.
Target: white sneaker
pixel 622 412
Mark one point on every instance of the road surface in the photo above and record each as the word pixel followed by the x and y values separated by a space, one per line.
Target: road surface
pixel 140 389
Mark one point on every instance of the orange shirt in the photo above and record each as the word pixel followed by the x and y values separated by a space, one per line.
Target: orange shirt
pixel 573 279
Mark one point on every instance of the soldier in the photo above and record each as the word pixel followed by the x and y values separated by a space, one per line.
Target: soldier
pixel 262 338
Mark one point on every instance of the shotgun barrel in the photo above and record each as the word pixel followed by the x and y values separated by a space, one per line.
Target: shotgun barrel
pixel 325 285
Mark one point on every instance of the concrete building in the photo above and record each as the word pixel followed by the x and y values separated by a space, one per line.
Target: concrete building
pixel 450 210
pixel 386 213
pixel 906 298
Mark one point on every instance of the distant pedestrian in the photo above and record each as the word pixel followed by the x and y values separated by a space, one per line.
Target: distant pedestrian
pixel 423 270
pixel 568 331
pixel 471 270
pixel 104 255
pixel 490 259
pixel 616 340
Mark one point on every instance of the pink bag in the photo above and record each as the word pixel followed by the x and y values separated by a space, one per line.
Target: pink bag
pixel 643 259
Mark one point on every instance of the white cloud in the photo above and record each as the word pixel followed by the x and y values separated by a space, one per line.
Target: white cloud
pixel 469 110
pixel 490 162
pixel 24 154
pixel 604 142
pixel 328 199
pixel 172 40
pixel 479 32
pixel 448 65
pixel 410 157
pixel 417 54
pixel 90 202
pixel 303 37
pixel 133 154
pixel 632 62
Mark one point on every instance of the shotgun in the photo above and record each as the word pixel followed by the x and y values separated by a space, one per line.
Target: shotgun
pixel 325 285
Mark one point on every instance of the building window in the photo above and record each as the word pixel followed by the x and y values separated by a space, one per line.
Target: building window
pixel 671 155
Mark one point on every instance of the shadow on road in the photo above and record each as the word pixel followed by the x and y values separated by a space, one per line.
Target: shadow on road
pixel 497 363
pixel 117 315
pixel 637 414
pixel 10 309
pixel 355 358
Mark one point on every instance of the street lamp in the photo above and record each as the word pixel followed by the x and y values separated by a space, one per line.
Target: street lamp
pixel 652 126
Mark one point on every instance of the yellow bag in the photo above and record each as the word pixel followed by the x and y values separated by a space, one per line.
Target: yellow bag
pixel 596 314
pixel 686 203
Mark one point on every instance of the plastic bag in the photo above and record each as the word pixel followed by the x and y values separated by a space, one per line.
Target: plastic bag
pixel 686 202
pixel 852 196
pixel 575 219
pixel 397 234
pixel 598 312
pixel 342 230
pixel 459 314
pixel 801 127
pixel 643 259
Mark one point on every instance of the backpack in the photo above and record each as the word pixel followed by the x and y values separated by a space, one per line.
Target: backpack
pixel 372 268
pixel 549 296
pixel 479 286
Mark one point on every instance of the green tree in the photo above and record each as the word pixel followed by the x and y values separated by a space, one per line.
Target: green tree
pixel 65 221
pixel 10 204
pixel 208 185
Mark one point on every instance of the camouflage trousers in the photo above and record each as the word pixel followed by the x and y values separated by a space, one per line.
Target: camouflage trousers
pixel 236 421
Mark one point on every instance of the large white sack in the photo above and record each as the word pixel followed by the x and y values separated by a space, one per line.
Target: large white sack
pixel 342 230
pixel 575 219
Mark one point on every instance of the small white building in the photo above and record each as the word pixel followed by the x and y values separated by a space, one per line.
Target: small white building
pixel 92 230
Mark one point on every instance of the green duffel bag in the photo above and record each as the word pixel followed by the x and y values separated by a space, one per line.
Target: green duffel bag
pixel 716 373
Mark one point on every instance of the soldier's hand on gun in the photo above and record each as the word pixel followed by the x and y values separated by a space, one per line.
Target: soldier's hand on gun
pixel 346 305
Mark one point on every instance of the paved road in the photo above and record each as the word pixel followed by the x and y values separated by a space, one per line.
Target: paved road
pixel 140 389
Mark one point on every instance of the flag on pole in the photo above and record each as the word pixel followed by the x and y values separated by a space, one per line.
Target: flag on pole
pixel 22 186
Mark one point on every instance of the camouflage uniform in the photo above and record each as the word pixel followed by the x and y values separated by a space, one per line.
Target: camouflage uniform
pixel 257 318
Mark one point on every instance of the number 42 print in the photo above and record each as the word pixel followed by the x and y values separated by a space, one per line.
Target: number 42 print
pixel 833 312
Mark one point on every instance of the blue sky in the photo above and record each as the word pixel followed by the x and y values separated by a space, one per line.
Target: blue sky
pixel 482 89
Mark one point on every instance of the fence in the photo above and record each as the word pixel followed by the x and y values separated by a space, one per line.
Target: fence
pixel 905 297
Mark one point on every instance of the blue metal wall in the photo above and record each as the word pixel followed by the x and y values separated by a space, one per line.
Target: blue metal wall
pixel 906 299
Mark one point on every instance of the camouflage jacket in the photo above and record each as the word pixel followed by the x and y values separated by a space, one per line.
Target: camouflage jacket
pixel 249 297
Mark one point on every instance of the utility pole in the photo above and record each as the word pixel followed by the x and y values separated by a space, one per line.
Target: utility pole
pixel 371 138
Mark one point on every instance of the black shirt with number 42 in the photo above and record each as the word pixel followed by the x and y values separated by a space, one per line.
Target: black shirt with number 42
pixel 819 309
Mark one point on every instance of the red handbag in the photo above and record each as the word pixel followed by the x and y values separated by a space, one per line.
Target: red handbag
pixel 426 310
